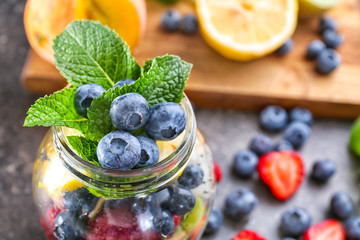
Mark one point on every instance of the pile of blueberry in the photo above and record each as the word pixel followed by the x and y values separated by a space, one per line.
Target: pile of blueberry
pixel 171 21
pixel 120 150
pixel 323 52
pixel 160 211
pixel 262 156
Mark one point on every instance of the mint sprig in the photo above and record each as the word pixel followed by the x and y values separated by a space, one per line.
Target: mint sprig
pixel 57 110
pixel 163 81
pixel 85 148
pixel 88 52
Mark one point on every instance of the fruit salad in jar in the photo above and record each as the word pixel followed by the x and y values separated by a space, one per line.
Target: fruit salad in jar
pixel 124 158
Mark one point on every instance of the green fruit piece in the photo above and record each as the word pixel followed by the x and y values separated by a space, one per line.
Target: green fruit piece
pixel 192 218
pixel 310 8
pixel 355 138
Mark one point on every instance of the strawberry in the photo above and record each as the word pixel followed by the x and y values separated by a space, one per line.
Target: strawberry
pixel 217 171
pixel 248 235
pixel 282 171
pixel 48 223
pixel 327 230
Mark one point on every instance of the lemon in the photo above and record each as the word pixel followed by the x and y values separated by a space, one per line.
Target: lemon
pixel 246 29
pixel 309 8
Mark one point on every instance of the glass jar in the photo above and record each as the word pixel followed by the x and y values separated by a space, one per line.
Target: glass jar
pixel 84 201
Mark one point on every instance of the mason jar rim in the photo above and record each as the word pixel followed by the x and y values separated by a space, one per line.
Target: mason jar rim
pixel 96 175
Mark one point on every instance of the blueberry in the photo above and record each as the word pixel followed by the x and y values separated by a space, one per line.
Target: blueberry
pixel 192 176
pixel 283 145
pixel 215 220
pixel 170 20
pixel 322 170
pixel 332 39
pixel 139 205
pixel 129 111
pixel 121 83
pixel 182 201
pixel 285 48
pixel 260 144
pixel 240 203
pixel 301 114
pixel 68 227
pixel 341 205
pixel 297 133
pixel 314 49
pixel 164 223
pixel 119 150
pixel 162 197
pixel 245 163
pixel 189 24
pixel 328 23
pixel 84 95
pixel 327 61
pixel 288 239
pixel 352 228
pixel 150 152
pixel 295 222
pixel 273 118
pixel 167 121
pixel 80 202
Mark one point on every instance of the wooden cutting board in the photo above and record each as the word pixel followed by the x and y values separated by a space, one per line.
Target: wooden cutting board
pixel 220 83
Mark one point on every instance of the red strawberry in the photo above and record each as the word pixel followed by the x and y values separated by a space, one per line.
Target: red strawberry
pixel 177 220
pixel 218 172
pixel 326 230
pixel 248 235
pixel 282 171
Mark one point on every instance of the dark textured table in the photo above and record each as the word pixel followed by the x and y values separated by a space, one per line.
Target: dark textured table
pixel 226 132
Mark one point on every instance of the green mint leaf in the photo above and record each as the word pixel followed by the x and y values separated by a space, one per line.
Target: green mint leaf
pixel 163 80
pixel 88 52
pixel 85 148
pixel 56 110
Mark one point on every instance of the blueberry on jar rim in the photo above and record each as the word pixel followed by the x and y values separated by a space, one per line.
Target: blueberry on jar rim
pixel 119 150
pixel 166 121
pixel 150 152
pixel 129 111
pixel 84 96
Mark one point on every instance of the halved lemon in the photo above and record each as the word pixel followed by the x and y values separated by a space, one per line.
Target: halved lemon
pixel 246 29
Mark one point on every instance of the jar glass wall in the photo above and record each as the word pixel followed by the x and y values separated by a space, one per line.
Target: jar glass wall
pixel 78 199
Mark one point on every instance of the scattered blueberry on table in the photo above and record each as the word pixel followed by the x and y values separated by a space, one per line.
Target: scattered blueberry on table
pixel 189 24
pixel 295 222
pixel 341 205
pixel 260 144
pixel 285 48
pixel 240 203
pixel 297 133
pixel 314 49
pixel 322 170
pixel 170 20
pixel 245 163
pixel 273 118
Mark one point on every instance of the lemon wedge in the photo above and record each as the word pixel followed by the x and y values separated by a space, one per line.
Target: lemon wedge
pixel 246 29
pixel 310 8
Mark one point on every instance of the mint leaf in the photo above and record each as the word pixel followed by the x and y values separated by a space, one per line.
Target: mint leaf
pixel 85 148
pixel 88 52
pixel 56 110
pixel 164 79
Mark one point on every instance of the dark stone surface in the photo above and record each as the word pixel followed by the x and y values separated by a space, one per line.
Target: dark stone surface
pixel 226 132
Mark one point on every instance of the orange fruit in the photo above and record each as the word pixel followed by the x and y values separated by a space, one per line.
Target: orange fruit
pixel 45 19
